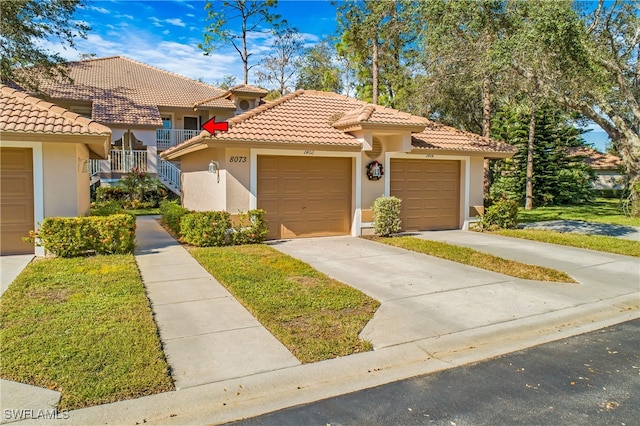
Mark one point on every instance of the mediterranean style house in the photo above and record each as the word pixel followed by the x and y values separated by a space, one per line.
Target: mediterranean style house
pixel 147 109
pixel 316 161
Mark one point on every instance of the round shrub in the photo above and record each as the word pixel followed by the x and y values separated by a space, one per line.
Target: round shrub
pixel 386 216
pixel 503 214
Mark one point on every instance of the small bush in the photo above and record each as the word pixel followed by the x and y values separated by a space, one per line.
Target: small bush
pixel 206 229
pixel 79 236
pixel 502 215
pixel 251 228
pixel 172 213
pixel 106 208
pixel 386 216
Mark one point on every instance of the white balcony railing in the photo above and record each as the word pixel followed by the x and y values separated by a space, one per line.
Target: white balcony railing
pixel 124 161
pixel 166 138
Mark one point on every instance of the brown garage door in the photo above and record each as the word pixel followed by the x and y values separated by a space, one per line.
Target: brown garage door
pixel 430 193
pixel 16 200
pixel 305 196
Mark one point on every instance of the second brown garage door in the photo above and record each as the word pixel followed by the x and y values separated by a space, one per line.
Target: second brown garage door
pixel 305 196
pixel 430 193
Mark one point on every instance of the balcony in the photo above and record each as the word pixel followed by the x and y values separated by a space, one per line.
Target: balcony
pixel 166 138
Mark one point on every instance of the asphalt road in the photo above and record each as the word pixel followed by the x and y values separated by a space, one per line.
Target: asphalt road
pixel 589 379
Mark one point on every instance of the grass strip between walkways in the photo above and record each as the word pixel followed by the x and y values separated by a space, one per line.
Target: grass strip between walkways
pixel 574 239
pixel 83 327
pixel 475 258
pixel 314 316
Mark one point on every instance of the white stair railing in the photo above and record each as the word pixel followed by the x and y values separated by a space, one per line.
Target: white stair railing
pixel 169 174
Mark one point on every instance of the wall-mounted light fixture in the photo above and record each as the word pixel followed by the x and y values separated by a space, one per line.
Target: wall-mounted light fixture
pixel 214 167
pixel 83 165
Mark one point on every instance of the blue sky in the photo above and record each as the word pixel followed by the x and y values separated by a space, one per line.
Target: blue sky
pixel 166 33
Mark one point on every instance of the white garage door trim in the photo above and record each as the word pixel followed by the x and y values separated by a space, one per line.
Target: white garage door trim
pixel 38 182
pixel 253 196
pixel 465 176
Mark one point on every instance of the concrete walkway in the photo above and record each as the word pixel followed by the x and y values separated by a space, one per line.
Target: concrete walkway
pixel 207 335
pixel 10 268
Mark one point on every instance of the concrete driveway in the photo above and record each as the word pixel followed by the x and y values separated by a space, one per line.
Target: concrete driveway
pixel 425 297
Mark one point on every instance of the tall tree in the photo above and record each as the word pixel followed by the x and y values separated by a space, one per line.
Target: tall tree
pixel 278 69
pixel 377 38
pixel 232 22
pixel 24 25
pixel 601 79
pixel 558 176
pixel 459 56
pixel 317 71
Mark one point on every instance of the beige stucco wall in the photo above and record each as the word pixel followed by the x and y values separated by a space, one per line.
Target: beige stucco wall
pixel 476 183
pixel 201 190
pixel 66 189
pixel 237 167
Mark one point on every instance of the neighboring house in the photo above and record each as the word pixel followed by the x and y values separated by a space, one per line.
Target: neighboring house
pixel 608 168
pixel 44 153
pixel 306 159
pixel 147 109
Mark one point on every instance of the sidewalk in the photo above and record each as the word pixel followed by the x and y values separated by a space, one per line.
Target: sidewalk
pixel 207 335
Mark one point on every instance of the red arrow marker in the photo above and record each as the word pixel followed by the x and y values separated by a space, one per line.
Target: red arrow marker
pixel 211 126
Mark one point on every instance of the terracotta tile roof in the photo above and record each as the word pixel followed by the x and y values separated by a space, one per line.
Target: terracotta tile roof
pixel 595 159
pixel 441 137
pixel 323 118
pixel 248 89
pixel 302 117
pixel 20 112
pixel 376 114
pixel 124 91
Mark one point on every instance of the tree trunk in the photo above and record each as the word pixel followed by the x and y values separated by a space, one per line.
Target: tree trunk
pixel 374 71
pixel 528 205
pixel 486 129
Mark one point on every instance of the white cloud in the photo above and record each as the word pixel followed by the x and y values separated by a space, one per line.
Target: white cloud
pixel 99 10
pixel 176 21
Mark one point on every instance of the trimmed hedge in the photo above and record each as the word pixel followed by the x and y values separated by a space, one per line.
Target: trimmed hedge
pixel 80 236
pixel 206 229
pixel 172 213
pixel 251 227
pixel 214 228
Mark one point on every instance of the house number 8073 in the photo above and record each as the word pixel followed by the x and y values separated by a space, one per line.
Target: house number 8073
pixel 236 159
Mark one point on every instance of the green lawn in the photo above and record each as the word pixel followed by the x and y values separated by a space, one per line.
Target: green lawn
pixel 314 316
pixel 476 258
pixel 591 242
pixel 83 327
pixel 603 210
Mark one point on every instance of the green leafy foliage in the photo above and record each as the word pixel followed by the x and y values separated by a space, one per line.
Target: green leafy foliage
pixel 25 28
pixel 206 229
pixel 79 236
pixel 251 227
pixel 502 215
pixel 172 213
pixel 558 178
pixel 386 216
